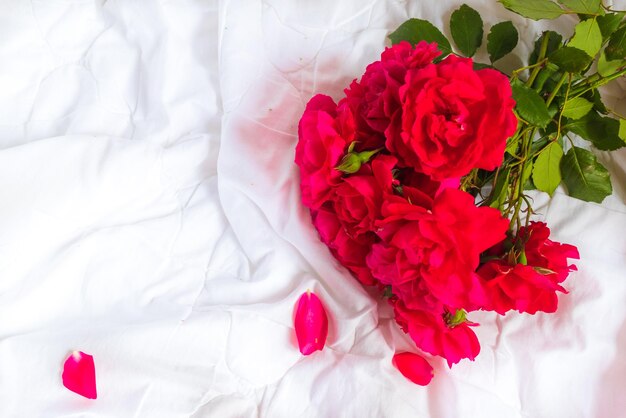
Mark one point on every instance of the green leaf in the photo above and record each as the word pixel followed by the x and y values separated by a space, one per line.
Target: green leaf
pixel 616 49
pixel 534 9
pixel 570 59
pixel 554 43
pixel 622 129
pixel 501 40
pixel 576 108
pixel 609 23
pixel 603 132
pixel 416 30
pixel 526 177
pixel 584 176
pixel 500 189
pixel 530 106
pixel 466 27
pixel 606 68
pixel 511 144
pixel 598 105
pixel 480 66
pixel 587 37
pixel 586 7
pixel 546 172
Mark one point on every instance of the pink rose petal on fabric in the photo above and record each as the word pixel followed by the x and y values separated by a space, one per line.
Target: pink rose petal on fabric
pixel 79 374
pixel 414 367
pixel 311 323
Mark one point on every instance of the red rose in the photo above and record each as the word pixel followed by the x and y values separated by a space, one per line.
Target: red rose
pixel 349 251
pixel 550 255
pixel 436 333
pixel 441 246
pixel 324 135
pixel 532 287
pixel 453 119
pixel 358 198
pixel 375 99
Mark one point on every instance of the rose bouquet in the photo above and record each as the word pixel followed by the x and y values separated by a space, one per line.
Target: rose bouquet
pixel 417 179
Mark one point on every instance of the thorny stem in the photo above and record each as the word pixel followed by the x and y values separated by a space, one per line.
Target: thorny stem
pixel 540 59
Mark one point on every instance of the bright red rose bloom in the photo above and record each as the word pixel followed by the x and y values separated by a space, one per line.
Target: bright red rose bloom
pixel 349 251
pixel 430 332
pixel 325 132
pixel 441 247
pixel 357 200
pixel 532 287
pixel 541 252
pixel 454 119
pixel 375 100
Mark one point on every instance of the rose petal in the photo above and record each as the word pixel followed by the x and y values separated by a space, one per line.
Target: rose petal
pixel 451 183
pixel 311 323
pixel 414 367
pixel 79 374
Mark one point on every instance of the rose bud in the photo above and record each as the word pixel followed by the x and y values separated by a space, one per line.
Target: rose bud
pixel 414 367
pixel 311 323
pixel 79 374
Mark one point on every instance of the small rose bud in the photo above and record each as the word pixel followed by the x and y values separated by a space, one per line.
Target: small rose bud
pixel 352 161
pixel 414 367
pixel 311 323
pixel 79 374
pixel 350 164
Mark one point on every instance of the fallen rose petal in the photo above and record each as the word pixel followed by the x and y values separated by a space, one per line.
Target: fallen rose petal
pixel 414 367
pixel 311 323
pixel 79 374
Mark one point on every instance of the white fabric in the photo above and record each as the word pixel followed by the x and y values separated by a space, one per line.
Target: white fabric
pixel 150 216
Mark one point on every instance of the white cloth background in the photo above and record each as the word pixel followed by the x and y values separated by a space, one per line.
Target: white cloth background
pixel 150 216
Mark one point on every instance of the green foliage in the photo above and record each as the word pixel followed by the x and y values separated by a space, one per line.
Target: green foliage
pixel 576 108
pixel 501 40
pixel 530 106
pixel 584 176
pixel 554 42
pixel 546 170
pixel 500 189
pixel 616 49
pixel 622 130
pixel 416 30
pixel 570 59
pixel 534 9
pixel 585 7
pixel 603 132
pixel 587 37
pixel 466 27
pixel 606 67
pixel 609 23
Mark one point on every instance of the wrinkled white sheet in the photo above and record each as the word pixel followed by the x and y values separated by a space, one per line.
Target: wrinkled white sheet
pixel 150 216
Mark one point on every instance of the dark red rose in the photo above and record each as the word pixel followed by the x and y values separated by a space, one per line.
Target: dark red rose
pixel 453 119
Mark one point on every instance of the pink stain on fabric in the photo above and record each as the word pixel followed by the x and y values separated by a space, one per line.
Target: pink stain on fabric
pixel 311 323
pixel 79 374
